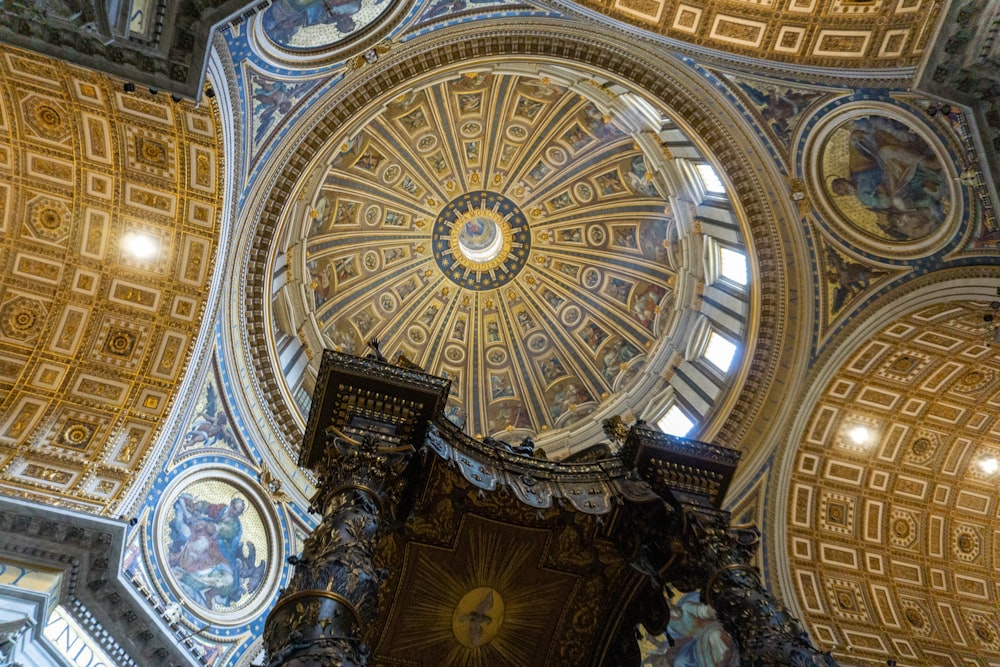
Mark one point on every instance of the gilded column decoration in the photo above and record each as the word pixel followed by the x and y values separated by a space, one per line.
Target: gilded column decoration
pixel 684 539
pixel 334 593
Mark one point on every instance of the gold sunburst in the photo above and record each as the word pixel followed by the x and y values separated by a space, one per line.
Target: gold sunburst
pixel 487 602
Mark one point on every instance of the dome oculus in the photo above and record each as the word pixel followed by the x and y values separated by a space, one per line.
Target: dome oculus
pixel 481 240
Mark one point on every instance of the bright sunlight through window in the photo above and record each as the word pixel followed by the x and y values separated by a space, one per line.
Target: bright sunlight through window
pixel 734 265
pixel 720 351
pixel 675 422
pixel 710 179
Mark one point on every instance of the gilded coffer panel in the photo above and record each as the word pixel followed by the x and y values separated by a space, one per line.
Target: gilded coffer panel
pixel 109 207
pixel 826 33
pixel 893 499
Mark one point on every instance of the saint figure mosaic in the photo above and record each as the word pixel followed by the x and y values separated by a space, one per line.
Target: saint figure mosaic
pixel 214 537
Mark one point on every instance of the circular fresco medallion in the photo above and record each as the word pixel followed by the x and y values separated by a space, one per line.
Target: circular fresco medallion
pixel 481 240
pixel 471 128
pixel 571 316
pixel 537 342
pixel 426 143
pixel 884 180
pixel 217 545
pixel 391 173
pixel 309 25
pixel 596 235
pixel 388 303
pixel 517 132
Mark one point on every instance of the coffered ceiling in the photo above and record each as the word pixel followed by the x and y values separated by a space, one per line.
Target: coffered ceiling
pixel 517 234
pixel 827 33
pixel 109 208
pixel 893 500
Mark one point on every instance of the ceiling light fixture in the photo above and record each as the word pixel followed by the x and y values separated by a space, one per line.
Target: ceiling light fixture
pixel 989 465
pixel 140 245
pixel 859 435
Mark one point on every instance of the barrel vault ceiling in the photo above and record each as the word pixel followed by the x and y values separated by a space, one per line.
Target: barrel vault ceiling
pixel 95 338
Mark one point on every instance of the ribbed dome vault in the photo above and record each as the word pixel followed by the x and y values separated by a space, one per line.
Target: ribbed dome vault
pixel 532 236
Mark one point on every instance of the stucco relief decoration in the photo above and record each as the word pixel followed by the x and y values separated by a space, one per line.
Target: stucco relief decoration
pixel 884 180
pixel 217 548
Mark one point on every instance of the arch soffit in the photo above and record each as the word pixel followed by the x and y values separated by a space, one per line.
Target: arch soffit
pixel 949 285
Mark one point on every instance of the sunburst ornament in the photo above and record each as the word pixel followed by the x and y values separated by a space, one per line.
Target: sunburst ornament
pixel 489 601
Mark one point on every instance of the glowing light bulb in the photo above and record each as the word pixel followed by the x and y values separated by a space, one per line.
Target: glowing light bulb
pixel 141 246
pixel 859 435
pixel 989 465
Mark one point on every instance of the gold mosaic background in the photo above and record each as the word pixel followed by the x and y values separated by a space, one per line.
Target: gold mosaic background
pixel 93 342
pixel 893 545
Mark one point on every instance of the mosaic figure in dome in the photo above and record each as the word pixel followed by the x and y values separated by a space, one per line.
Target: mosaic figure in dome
pixel 317 23
pixel 574 235
pixel 623 237
pixel 620 352
pixel 527 108
pixel 492 331
pixel 780 109
pixel 653 240
pixel 370 160
pixel 598 123
pixel 618 288
pixel 647 303
pixel 640 179
pixel 542 89
pixel 593 336
pixel 566 398
pixel 610 183
pixel 893 174
pixel 208 557
pixel 507 413
pixel 320 214
pixel 500 387
pixel 576 137
pixel 472 80
pixel 320 281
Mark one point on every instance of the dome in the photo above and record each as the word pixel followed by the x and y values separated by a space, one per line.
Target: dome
pixel 533 234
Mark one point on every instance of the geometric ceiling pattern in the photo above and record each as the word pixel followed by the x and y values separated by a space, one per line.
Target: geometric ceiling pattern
pixel 825 33
pixel 503 231
pixel 109 207
pixel 893 501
